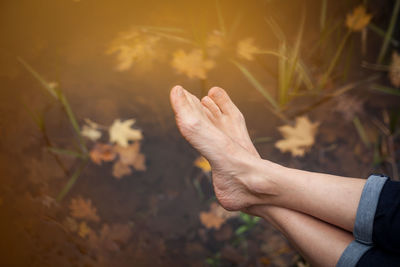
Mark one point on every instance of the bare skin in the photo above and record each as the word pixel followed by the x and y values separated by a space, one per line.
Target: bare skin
pixel 320 243
pixel 242 180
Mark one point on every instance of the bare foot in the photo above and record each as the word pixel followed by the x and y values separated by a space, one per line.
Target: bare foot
pixel 234 169
pixel 228 118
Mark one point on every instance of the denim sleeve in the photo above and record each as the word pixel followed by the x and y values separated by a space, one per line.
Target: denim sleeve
pixel 386 233
pixel 364 223
pixel 352 254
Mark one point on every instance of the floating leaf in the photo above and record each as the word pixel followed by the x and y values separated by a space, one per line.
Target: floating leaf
pixel 358 19
pixel 394 70
pixel 202 163
pixel 91 132
pixel 246 49
pixel 121 132
pixel 216 217
pixel 120 169
pixel 102 152
pixel 215 43
pixel 193 64
pixel 131 156
pixel 83 209
pixel 297 139
pixel 84 230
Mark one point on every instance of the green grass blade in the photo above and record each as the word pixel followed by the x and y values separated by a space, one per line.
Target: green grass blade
pixel 322 20
pixel 35 74
pixel 386 89
pixel 71 182
pixel 256 84
pixel 361 131
pixel 382 33
pixel 389 32
pixel 66 152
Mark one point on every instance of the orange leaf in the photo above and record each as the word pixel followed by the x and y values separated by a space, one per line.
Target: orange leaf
pixel 83 209
pixel 102 152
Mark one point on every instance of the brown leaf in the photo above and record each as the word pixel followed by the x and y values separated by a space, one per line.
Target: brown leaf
pixel 120 169
pixel 102 152
pixel 83 209
pixel 216 217
pixel 358 19
pixel 84 230
pixel 110 238
pixel 131 156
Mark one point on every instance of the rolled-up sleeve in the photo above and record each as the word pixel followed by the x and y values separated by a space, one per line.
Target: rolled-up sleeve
pixel 352 254
pixel 364 223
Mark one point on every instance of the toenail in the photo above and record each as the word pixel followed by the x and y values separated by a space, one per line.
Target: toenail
pixel 179 90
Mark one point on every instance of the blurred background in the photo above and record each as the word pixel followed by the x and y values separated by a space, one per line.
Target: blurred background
pixel 93 169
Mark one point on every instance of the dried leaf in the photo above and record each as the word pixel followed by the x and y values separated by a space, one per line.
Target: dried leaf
pixel 193 64
pixel 71 224
pixel 84 230
pixel 202 163
pixel 131 156
pixel 134 46
pixel 90 132
pixel 121 132
pixel 394 70
pixel 110 238
pixel 297 139
pixel 246 49
pixel 102 152
pixel 120 169
pixel 216 217
pixel 83 209
pixel 358 19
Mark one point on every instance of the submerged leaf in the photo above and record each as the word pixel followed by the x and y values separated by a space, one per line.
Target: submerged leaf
pixel 102 152
pixel 193 64
pixel 131 156
pixel 84 229
pixel 358 19
pixel 110 237
pixel 121 132
pixel 202 163
pixel 83 209
pixel 216 217
pixel 246 49
pixel 297 139
pixel 394 70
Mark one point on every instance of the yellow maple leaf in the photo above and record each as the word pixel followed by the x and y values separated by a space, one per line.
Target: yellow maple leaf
pixel 193 64
pixel 121 132
pixel 83 209
pixel 358 19
pixel 216 217
pixel 297 139
pixel 394 70
pixel 134 46
pixel 202 163
pixel 84 230
pixel 246 49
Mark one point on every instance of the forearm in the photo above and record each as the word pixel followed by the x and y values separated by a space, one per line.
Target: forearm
pixel 320 243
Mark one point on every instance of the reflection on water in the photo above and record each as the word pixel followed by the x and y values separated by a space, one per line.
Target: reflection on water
pixel 115 61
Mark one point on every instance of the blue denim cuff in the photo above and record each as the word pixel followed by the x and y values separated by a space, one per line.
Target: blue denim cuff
pixel 352 254
pixel 364 223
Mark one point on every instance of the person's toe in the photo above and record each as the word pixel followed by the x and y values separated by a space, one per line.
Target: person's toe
pixel 179 100
pixel 211 106
pixel 221 98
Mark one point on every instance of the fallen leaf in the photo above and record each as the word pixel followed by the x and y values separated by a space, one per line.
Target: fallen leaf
pixel 83 209
pixel 216 217
pixel 246 49
pixel 202 163
pixel 131 156
pixel 215 43
pixel 120 169
pixel 121 132
pixel 84 230
pixel 102 152
pixel 193 64
pixel 71 224
pixel 297 139
pixel 90 132
pixel 110 238
pixel 134 46
pixel 394 70
pixel 358 19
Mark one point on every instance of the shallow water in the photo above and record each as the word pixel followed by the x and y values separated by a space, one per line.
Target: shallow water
pixel 153 215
